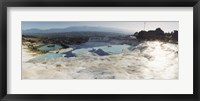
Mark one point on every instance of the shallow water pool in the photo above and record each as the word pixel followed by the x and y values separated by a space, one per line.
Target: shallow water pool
pixel 49 47
pixel 50 55
pixel 111 49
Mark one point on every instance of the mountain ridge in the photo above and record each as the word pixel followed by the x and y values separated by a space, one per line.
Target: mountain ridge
pixel 76 29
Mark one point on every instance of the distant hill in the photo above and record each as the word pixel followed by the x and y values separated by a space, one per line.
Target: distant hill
pixel 76 29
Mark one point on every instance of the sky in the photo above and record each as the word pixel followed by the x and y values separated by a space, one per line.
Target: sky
pixel 166 26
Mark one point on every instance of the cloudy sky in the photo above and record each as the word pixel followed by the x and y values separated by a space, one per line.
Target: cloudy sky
pixel 167 26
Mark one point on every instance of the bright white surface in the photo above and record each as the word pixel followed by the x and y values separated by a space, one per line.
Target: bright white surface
pixel 184 85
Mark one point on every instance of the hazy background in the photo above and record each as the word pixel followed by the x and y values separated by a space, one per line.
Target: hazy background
pixel 166 26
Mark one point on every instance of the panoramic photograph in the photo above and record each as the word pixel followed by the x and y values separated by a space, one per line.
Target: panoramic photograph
pixel 123 50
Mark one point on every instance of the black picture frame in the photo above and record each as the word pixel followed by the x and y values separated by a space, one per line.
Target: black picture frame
pixel 99 3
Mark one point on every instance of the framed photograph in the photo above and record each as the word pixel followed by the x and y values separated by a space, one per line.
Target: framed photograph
pixel 99 50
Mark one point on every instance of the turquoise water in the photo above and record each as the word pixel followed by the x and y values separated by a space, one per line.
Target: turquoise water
pixel 49 47
pixel 50 55
pixel 112 49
